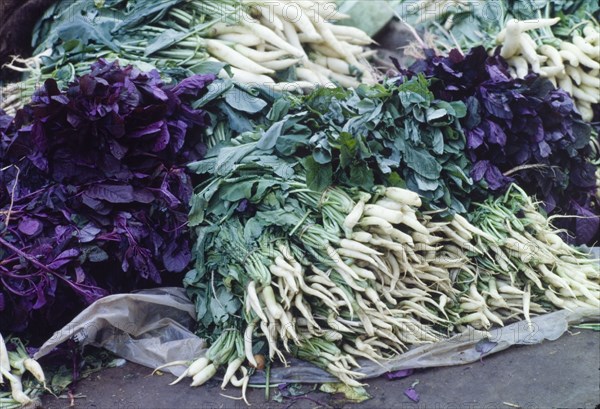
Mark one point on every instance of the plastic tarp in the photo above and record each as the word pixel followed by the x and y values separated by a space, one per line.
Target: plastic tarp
pixel 152 327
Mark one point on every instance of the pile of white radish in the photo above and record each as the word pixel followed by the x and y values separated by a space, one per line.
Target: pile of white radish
pixel 517 265
pixel 20 362
pixel 572 65
pixel 395 277
pixel 274 36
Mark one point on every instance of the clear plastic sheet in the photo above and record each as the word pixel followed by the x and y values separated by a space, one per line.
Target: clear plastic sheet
pixel 149 327
pixel 152 328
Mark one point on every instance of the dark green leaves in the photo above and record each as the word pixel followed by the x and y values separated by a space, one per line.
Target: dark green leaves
pixel 318 176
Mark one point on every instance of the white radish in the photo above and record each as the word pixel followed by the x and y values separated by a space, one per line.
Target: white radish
pixel 255 302
pixel 403 196
pixel 198 365
pixel 574 73
pixel 248 345
pixel 534 24
pixel 526 306
pixel 270 302
pixel 581 56
pixel 288 326
pixel 279 65
pixel 344 80
pixel 392 216
pixel 232 57
pixel 528 47
pixel 587 48
pixel 4 360
pixel 362 236
pixel 286 274
pixel 248 40
pixel 412 222
pixel 259 56
pixel 389 204
pixel 586 111
pixel 16 388
pixel 291 35
pixel 269 14
pixel 204 375
pixel 304 309
pixel 351 32
pixel 552 53
pixel 174 363
pixel 589 79
pixel 35 369
pixel 358 247
pixel 232 368
pixel 519 64
pixel 552 71
pixel 335 44
pixel 293 86
pixel 570 57
pixel 363 273
pixel 581 94
pixel 591 92
pixel 566 84
pixel 270 37
pixel 512 39
pixel 304 74
pixel 353 217
pixel 248 78
pixel 377 222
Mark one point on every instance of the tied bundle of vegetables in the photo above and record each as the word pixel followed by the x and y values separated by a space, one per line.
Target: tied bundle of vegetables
pixel 517 264
pixel 316 274
pixel 20 362
pixel 573 65
pixel 94 195
pixel 285 46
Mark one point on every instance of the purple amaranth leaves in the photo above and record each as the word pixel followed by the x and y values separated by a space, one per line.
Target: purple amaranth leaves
pixel 95 177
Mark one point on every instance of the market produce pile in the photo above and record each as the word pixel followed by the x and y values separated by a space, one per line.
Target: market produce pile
pixel 335 224
pixel 284 46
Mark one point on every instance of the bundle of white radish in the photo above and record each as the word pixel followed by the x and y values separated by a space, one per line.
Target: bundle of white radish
pixel 519 266
pixel 572 65
pixel 275 36
pixel 13 365
pixel 345 280
pixel 335 277
pixel 260 40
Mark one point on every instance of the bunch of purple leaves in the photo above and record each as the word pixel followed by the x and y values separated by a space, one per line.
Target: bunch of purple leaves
pixel 94 192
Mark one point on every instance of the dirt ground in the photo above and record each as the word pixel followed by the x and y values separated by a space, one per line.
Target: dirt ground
pixel 560 374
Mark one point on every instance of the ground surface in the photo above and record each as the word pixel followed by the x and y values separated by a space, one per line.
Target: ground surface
pixel 558 374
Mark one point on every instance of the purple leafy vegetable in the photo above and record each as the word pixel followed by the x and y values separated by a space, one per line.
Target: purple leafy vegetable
pixel 94 192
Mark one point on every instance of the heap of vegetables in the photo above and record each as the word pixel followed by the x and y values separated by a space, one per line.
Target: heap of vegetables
pixel 93 193
pixel 312 263
pixel 328 228
pixel 284 45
